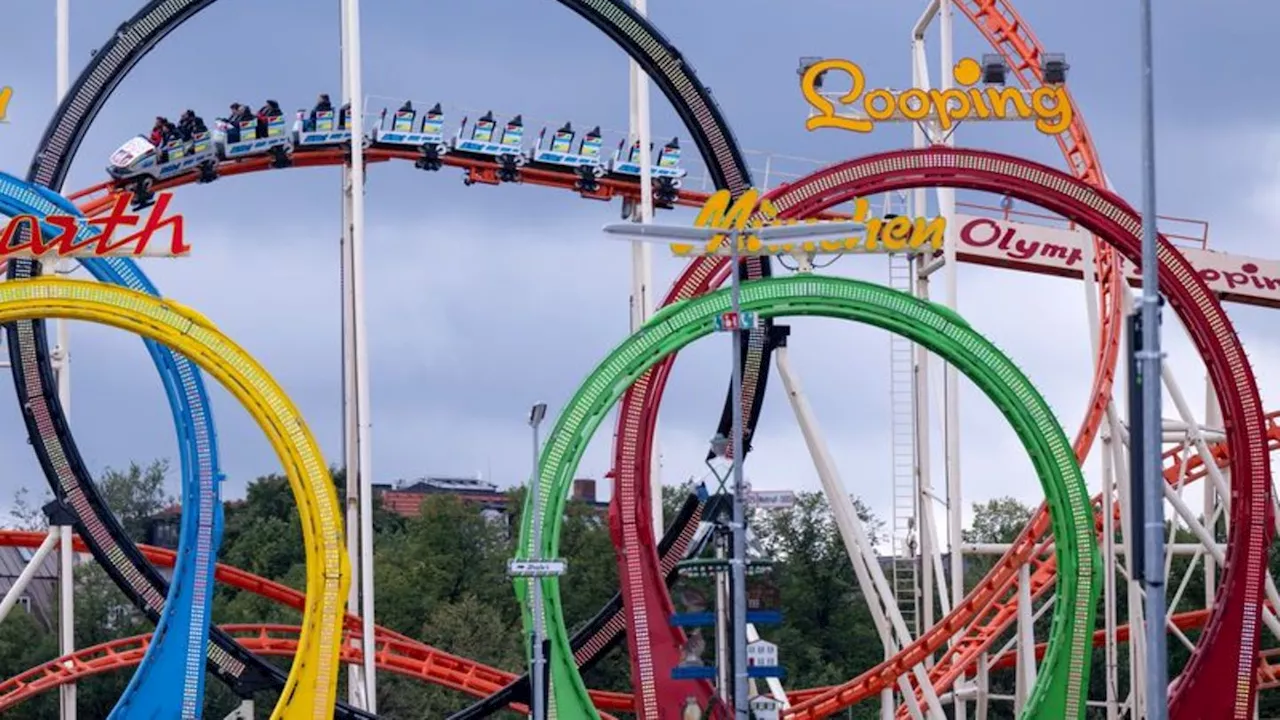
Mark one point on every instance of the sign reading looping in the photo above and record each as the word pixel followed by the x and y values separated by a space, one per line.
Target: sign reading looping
pixel 1048 105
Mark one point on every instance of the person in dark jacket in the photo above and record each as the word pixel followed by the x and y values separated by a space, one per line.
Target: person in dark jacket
pixel 190 125
pixel 266 113
pixel 323 104
pixel 239 113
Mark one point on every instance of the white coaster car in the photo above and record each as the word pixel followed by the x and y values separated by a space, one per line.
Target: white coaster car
pixel 139 158
pixel 233 142
pixel 324 132
pixel 430 132
pixel 559 151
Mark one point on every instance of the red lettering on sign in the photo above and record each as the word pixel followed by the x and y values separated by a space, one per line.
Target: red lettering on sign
pixel 64 243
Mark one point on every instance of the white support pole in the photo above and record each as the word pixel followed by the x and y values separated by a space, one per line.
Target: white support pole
pixel 1112 669
pixel 66 614
pixel 1212 418
pixel 641 253
pixel 951 401
pixel 930 549
pixel 1026 672
pixel 982 685
pixel 350 448
pixel 875 588
pixel 62 369
pixel 1137 655
pixel 924 499
pixel 931 571
pixel 352 60
pixel 724 668
pixel 62 346
pixel 28 572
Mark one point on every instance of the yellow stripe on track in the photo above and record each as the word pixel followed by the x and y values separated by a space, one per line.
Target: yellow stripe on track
pixel 311 689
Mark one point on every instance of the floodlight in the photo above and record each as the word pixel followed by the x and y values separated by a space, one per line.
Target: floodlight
pixel 994 69
pixel 537 413
pixel 1054 68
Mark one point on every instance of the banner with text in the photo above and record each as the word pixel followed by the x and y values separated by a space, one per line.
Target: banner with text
pixel 1060 251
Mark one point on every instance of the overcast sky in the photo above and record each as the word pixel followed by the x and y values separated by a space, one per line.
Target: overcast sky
pixel 484 300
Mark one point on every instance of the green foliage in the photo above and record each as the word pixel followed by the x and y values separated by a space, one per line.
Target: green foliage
pixel 997 521
pixel 136 495
pixel 441 578
pixel 26 514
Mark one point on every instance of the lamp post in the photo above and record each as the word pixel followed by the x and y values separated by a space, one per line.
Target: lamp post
pixel 1157 678
pixel 538 672
pixel 737 562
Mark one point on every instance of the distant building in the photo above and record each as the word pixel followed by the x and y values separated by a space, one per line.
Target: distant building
pixel 41 595
pixel 405 498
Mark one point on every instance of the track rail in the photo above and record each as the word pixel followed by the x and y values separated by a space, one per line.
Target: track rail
pixel 629 519
pixel 311 684
pixel 181 623
pixel 411 659
pixel 28 345
pixel 1178 467
pixel 1011 37
pixel 1228 647
pixel 477 679
pixel 392 654
pixel 1062 683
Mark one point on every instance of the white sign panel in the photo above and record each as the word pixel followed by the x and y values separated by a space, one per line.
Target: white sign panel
pixel 1059 251
pixel 772 499
pixel 762 653
pixel 536 568
pixel 765 708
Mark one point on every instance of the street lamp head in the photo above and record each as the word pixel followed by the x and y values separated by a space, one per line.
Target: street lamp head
pixel 537 413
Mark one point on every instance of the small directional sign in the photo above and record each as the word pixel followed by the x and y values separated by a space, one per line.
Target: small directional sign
pixel 763 653
pixel 536 568
pixel 765 708
pixel 730 321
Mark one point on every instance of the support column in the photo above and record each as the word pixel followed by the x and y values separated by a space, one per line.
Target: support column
pixel 350 448
pixel 871 580
pixel 1026 643
pixel 364 455
pixel 1212 418
pixel 62 369
pixel 62 522
pixel 641 252
pixel 1112 667
pixel 951 402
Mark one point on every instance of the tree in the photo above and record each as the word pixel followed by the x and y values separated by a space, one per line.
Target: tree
pixel 136 495
pixel 26 515
pixel 23 645
pixel 1000 520
pixel 826 634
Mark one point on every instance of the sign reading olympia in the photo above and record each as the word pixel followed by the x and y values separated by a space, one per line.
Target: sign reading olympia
pixel 1049 105
pixel 71 238
pixel 751 212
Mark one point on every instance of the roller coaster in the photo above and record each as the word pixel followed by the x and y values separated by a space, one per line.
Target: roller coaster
pixel 139 164
pixel 1058 550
